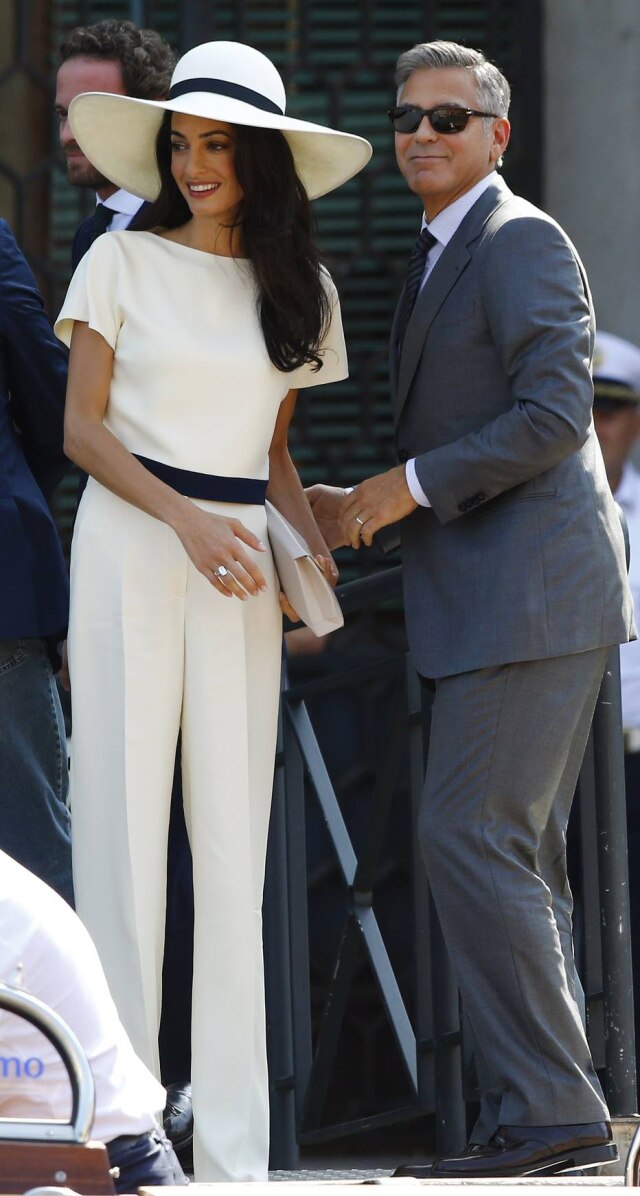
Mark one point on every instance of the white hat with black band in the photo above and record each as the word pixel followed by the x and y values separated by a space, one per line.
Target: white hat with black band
pixel 226 81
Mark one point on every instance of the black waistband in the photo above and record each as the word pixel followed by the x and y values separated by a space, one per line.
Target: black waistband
pixel 210 486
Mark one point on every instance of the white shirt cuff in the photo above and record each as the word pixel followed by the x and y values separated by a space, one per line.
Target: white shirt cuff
pixel 417 492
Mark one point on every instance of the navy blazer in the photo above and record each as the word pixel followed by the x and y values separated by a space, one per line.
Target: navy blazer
pixel 84 237
pixel 82 241
pixel 34 591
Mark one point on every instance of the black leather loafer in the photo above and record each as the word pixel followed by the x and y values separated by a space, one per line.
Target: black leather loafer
pixel 178 1115
pixel 529 1150
pixel 425 1170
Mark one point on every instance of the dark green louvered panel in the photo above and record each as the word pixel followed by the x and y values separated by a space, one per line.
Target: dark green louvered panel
pixel 337 58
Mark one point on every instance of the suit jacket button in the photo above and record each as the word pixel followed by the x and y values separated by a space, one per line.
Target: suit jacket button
pixel 403 456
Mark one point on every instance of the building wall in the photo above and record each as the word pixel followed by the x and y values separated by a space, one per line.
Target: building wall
pixel 591 86
pixel 25 120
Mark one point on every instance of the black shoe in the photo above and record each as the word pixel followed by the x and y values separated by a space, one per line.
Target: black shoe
pixel 530 1150
pixel 425 1170
pixel 178 1115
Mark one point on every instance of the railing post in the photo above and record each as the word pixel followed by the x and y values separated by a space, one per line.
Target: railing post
pixel 284 1153
pixel 620 1060
pixel 294 784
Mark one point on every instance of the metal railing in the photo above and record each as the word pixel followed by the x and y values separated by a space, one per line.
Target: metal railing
pixel 304 1035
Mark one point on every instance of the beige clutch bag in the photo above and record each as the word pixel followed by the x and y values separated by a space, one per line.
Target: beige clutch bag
pixel 300 577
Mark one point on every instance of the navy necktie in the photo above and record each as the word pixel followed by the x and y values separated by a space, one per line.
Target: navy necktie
pixel 414 275
pixel 100 221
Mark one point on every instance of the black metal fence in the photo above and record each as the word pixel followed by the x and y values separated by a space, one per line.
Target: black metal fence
pixel 316 964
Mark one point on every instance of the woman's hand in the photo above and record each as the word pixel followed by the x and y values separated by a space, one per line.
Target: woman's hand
pixel 215 546
pixel 287 609
pixel 327 503
pixel 329 568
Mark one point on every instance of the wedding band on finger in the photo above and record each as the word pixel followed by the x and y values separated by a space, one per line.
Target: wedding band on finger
pixel 220 572
pixel 359 520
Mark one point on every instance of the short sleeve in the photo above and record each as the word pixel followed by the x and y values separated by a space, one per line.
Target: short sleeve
pixel 93 294
pixel 333 350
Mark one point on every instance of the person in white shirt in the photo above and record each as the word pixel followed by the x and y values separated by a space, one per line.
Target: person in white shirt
pixel 46 951
pixel 616 413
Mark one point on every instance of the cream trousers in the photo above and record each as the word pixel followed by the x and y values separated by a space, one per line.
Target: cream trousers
pixel 154 648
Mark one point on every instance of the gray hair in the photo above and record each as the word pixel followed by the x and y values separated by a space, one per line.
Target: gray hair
pixel 494 93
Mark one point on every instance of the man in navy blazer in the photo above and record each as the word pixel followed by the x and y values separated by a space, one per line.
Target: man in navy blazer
pixel 116 57
pixel 34 821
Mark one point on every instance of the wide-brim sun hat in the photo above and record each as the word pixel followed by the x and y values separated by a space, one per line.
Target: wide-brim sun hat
pixel 225 81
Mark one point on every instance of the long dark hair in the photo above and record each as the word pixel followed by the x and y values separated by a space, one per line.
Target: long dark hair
pixel 276 225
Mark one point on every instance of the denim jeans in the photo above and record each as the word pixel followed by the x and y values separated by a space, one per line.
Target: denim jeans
pixel 145 1159
pixel 34 780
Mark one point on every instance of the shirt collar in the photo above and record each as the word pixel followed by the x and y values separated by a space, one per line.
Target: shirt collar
pixel 447 222
pixel 123 202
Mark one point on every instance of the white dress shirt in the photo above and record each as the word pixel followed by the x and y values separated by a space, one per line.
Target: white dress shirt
pixel 46 950
pixel 124 206
pixel 442 227
pixel 628 496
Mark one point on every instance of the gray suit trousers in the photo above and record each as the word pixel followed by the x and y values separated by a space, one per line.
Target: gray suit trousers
pixel 506 747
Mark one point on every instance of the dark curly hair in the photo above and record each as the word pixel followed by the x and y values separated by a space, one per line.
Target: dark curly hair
pixel 275 223
pixel 146 60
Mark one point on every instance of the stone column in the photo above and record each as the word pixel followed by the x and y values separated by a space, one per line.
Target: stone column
pixel 592 146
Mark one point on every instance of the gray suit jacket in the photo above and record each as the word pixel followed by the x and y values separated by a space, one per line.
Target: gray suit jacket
pixel 521 556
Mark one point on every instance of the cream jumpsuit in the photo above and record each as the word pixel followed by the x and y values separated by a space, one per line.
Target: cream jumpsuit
pixel 153 648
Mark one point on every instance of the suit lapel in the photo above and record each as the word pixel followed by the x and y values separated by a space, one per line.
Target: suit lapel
pixel 446 272
pixel 393 344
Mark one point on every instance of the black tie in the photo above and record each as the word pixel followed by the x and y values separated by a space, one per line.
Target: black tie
pixel 414 275
pixel 100 221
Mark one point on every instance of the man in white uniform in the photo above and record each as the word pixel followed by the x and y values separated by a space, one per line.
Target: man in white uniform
pixel 46 950
pixel 616 413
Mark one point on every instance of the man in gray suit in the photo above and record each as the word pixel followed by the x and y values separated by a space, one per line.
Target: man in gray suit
pixel 515 588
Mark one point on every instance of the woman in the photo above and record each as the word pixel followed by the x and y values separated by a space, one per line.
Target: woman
pixel 189 340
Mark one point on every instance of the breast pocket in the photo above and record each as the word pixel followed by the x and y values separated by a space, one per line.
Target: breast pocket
pixel 452 315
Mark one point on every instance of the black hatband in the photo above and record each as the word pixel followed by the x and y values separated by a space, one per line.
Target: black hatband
pixel 221 87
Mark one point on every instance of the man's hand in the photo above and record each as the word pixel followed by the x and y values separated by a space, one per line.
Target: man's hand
pixel 373 504
pixel 326 504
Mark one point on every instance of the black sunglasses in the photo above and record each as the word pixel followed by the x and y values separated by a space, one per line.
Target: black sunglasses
pixel 445 118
